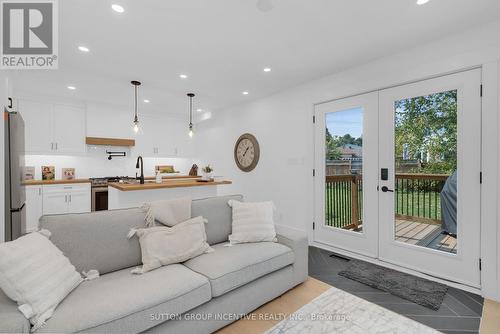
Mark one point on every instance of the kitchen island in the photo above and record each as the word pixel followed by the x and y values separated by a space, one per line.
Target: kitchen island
pixel 128 195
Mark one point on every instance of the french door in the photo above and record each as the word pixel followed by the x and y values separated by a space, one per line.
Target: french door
pixel 346 153
pixel 398 175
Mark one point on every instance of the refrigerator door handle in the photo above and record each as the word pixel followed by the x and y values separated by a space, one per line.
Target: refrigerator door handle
pixel 18 209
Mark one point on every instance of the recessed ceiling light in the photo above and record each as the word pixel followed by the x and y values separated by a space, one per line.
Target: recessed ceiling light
pixel 83 48
pixel 71 87
pixel 245 93
pixel 422 2
pixel 199 110
pixel 146 101
pixel 117 8
pixel 267 69
pixel 183 76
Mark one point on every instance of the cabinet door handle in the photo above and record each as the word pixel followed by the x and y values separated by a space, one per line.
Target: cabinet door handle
pixel 70 198
pixel 65 198
pixel 56 147
pixel 40 191
pixel 51 146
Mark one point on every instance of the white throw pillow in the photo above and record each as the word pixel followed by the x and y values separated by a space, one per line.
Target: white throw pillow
pixel 168 212
pixel 36 274
pixel 161 245
pixel 252 222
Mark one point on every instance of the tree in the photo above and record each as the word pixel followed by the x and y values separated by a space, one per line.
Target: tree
pixel 333 147
pixel 426 130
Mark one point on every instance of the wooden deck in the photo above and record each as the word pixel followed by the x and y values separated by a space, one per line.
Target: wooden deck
pixel 425 235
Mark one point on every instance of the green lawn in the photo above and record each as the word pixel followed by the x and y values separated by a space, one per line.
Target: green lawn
pixel 418 204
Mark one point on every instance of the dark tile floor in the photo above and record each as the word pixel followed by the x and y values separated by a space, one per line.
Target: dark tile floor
pixel 460 312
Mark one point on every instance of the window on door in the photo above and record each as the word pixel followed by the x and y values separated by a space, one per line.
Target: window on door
pixel 344 169
pixel 425 201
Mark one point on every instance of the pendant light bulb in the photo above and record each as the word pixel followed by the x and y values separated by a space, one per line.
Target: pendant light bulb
pixel 136 127
pixel 191 130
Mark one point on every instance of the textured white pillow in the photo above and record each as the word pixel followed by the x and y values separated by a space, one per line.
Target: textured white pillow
pixel 168 212
pixel 161 245
pixel 252 222
pixel 36 274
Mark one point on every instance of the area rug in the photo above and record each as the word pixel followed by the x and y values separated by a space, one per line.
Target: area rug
pixel 415 289
pixel 336 311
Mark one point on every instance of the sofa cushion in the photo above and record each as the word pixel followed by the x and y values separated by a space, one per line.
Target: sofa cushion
pixel 97 240
pixel 121 302
pixel 231 267
pixel 219 216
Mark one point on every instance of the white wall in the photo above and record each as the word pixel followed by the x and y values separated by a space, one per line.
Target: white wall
pixel 283 124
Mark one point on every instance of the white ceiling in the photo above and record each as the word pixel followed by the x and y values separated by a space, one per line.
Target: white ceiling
pixel 223 45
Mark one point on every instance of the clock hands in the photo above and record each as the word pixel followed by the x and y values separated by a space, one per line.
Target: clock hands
pixel 246 151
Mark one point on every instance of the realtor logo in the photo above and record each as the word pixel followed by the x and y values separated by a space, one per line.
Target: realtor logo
pixel 29 34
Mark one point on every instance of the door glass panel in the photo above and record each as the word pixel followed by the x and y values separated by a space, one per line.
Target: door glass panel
pixel 344 169
pixel 425 201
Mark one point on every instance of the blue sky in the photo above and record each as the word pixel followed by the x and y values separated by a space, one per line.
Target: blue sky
pixel 343 122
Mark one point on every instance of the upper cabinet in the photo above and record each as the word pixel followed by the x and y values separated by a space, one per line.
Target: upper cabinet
pixel 162 137
pixel 69 129
pixel 53 128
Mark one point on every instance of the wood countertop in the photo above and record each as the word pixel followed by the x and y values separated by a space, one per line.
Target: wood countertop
pixel 166 184
pixel 47 182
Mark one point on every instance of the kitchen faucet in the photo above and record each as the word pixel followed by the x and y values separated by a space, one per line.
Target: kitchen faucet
pixel 141 178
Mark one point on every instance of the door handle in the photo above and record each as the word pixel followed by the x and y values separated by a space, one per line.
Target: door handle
pixel 65 198
pixel 385 190
pixel 70 198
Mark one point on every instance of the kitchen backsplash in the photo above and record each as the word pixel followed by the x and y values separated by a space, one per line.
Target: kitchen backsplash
pixel 98 165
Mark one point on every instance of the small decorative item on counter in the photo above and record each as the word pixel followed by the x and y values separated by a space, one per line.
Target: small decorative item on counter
pixel 207 173
pixel 194 170
pixel 28 173
pixel 68 173
pixel 158 177
pixel 167 169
pixel 48 172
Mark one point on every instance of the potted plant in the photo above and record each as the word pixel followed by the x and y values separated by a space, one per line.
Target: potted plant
pixel 207 173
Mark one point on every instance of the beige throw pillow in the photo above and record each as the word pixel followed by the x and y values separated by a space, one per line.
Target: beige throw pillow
pixel 252 222
pixel 168 212
pixel 37 275
pixel 161 245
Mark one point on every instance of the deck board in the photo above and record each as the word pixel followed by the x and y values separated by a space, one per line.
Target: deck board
pixel 425 235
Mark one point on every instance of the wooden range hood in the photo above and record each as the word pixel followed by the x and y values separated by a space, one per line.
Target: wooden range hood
pixel 109 141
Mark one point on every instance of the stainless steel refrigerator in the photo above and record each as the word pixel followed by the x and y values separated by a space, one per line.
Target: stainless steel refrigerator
pixel 15 196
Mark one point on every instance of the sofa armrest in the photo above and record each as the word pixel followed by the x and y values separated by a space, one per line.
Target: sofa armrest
pixel 11 319
pixel 299 243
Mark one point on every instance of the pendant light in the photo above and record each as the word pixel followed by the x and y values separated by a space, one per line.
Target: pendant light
pixel 136 118
pixel 190 95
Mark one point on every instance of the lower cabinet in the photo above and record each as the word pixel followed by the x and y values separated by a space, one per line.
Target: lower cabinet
pixel 55 199
pixel 59 199
pixel 34 209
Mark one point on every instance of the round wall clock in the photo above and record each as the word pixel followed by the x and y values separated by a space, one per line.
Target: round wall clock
pixel 246 152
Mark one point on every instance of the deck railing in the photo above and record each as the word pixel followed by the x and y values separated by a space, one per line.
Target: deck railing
pixel 417 198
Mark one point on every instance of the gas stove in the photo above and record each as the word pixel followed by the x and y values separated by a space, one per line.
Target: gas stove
pixel 103 181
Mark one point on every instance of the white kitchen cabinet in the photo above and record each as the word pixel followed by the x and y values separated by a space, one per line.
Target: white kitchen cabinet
pixel 38 125
pixel 64 198
pixel 68 129
pixel 34 207
pixel 53 128
pixel 79 200
pixel 158 137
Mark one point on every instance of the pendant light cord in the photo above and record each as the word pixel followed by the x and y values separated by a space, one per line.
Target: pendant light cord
pixel 135 104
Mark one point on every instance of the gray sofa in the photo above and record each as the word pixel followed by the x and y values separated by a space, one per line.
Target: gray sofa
pixel 199 296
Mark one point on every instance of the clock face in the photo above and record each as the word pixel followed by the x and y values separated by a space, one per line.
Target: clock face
pixel 246 152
